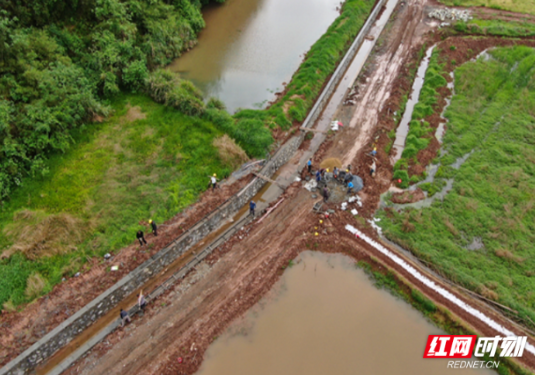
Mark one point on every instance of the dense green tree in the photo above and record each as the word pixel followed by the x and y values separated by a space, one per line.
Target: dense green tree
pixel 59 58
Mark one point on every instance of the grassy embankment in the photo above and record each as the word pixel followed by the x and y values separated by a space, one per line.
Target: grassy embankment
pixel 119 173
pixel 439 315
pixel 496 27
pixel 519 6
pixel 492 200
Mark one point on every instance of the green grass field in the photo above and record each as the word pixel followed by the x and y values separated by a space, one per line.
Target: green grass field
pixel 496 27
pixel 519 6
pixel 493 196
pixel 118 174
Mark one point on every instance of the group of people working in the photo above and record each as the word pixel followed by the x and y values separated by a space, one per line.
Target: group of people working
pixel 141 302
pixel 141 236
pixel 343 176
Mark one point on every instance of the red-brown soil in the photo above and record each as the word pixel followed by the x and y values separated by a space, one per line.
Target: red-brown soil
pixel 408 196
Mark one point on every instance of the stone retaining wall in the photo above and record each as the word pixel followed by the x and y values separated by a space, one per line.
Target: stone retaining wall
pixel 70 328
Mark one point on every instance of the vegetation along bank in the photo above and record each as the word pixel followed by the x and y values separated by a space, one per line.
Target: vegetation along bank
pixel 481 234
pixel 88 156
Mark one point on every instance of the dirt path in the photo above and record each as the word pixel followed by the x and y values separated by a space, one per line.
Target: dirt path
pixel 374 92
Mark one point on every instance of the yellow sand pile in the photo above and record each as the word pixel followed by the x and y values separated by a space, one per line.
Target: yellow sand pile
pixel 331 163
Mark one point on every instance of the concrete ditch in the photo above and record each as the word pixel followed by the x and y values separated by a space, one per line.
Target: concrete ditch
pixel 58 338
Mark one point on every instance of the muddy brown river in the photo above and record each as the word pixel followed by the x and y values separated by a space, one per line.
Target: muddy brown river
pixel 326 317
pixel 249 48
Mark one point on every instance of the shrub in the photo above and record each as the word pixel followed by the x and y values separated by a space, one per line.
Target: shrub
pixel 421 300
pixel 231 154
pixel 403 176
pixel 215 103
pixel 166 87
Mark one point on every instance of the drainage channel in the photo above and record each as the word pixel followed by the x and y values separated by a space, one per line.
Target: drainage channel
pixel 176 270
pixel 403 128
pixel 330 99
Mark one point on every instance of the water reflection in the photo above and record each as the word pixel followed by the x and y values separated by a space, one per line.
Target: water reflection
pixel 250 47
pixel 326 317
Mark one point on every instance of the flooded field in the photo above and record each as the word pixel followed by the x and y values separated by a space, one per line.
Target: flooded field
pixel 249 48
pixel 326 317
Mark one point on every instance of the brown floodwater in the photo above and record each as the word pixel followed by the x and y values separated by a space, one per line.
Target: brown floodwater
pixel 249 48
pixel 325 317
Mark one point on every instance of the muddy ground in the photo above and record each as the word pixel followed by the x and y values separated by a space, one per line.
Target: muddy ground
pixel 184 321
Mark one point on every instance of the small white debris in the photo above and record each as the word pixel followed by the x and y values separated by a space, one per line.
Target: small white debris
pixel 359 203
pixel 354 212
pixel 376 219
pixel 107 256
pixel 444 14
pixel 352 199
pixel 77 274
pixel 311 185
pixel 297 179
pixel 377 228
pixel 344 206
pixel 335 125
pixel 115 268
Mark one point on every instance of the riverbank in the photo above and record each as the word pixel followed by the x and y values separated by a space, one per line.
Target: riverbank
pixel 151 155
pixel 170 155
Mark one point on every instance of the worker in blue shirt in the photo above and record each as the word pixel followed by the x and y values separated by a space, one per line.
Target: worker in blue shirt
pixel 350 187
pixel 252 206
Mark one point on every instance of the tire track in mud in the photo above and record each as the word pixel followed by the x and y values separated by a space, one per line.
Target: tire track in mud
pixel 375 92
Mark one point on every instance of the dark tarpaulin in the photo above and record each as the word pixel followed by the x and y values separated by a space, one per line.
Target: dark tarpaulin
pixel 358 184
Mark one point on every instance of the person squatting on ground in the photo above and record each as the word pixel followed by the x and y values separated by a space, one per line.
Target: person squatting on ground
pixel 252 207
pixel 141 301
pixel 309 165
pixel 213 181
pixel 141 237
pixel 124 317
pixel 335 173
pixel 318 176
pixel 350 187
pixel 325 194
pixel 373 168
pixel 154 227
